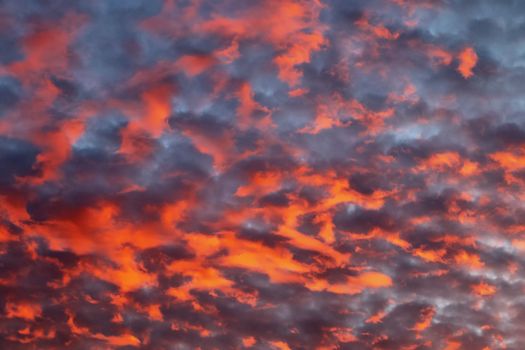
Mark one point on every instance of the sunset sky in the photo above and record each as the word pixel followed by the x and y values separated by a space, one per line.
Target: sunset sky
pixel 262 174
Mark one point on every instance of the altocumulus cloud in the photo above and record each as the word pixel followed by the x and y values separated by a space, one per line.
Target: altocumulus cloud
pixel 281 174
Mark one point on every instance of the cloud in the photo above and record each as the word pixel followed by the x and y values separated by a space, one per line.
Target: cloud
pixel 266 174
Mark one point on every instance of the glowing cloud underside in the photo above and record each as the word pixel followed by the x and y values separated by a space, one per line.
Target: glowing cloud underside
pixel 277 174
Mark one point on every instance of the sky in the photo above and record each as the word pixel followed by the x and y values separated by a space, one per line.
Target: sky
pixel 262 174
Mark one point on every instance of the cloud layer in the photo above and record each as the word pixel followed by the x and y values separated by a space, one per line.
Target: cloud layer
pixel 282 174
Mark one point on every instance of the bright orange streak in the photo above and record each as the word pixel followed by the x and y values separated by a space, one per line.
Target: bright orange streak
pixel 468 259
pixel 426 319
pixel 467 61
pixel 379 31
pixel 452 345
pixel 376 318
pixel 354 284
pixel 484 289
pixel 23 310
pixel 375 279
pixel 248 341
pixel 510 160
pixel 280 345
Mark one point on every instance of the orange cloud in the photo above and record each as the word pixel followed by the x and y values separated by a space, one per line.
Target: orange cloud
pixel 484 289
pixel 467 61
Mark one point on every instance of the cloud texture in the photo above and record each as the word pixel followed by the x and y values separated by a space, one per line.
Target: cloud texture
pixel 263 174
